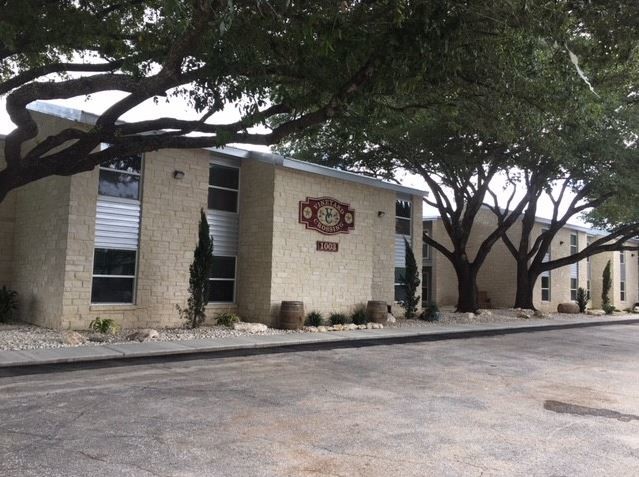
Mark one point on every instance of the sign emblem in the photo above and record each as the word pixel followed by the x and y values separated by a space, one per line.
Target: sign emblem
pixel 326 215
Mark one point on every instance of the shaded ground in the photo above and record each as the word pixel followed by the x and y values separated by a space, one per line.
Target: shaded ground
pixel 547 403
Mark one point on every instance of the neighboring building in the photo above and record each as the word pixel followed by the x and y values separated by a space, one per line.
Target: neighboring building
pixel 497 278
pixel 117 242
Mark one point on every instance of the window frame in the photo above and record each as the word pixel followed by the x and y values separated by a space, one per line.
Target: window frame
pixel 234 280
pixel 546 289
pixel 120 171
pixel 237 191
pixel 622 275
pixel 134 277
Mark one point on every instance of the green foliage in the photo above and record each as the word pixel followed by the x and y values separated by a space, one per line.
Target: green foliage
pixel 338 319
pixel 314 318
pixel 358 316
pixel 583 297
pixel 430 312
pixel 226 319
pixel 606 285
pixel 199 274
pixel 106 326
pixel 411 281
pixel 8 303
pixel 608 308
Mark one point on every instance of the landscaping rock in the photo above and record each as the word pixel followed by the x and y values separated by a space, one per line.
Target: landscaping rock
pixel 376 326
pixel 73 338
pixel 635 309
pixel 250 327
pixel 312 329
pixel 571 308
pixel 361 327
pixel 350 327
pixel 142 335
pixel 525 314
pixel 338 327
pixel 540 314
pixel 391 319
pixel 482 312
pixel 322 329
pixel 369 326
pixel 97 338
pixel 595 312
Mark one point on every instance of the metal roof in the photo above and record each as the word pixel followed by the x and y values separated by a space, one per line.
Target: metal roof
pixel 238 153
pixel 543 220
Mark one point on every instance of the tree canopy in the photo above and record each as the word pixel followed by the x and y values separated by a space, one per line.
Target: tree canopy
pixel 290 65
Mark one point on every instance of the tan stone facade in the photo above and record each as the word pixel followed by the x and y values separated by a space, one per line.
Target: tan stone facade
pixel 49 232
pixel 498 277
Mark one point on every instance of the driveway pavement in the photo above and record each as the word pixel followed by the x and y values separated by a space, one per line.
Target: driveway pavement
pixel 562 402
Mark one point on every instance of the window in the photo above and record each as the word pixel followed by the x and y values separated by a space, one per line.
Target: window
pixel 403 210
pixel 573 289
pixel 121 178
pixel 589 270
pixel 113 276
pixel 426 279
pixel 425 249
pixel 545 277
pixel 400 287
pixel 222 281
pixel 402 217
pixel 622 275
pixel 545 288
pixel 224 184
pixel 574 268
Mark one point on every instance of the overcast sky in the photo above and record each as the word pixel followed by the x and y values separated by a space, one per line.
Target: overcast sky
pixel 175 107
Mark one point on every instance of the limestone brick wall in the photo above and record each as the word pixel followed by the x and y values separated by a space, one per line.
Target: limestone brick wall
pixel 560 277
pixel 631 280
pixel 168 234
pixel 328 281
pixel 498 277
pixel 40 238
pixel 256 239
pixel 40 241
pixel 7 226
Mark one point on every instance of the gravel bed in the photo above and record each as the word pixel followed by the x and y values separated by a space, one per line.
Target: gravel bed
pixel 21 336
pixel 448 318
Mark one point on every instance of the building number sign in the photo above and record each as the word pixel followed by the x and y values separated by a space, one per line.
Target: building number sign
pixel 326 215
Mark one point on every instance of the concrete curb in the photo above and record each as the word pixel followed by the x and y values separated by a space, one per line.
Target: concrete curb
pixel 58 359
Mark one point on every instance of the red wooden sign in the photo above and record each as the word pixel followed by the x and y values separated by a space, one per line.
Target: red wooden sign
pixel 327 246
pixel 326 215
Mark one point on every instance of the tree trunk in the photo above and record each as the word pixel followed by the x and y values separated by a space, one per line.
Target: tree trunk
pixel 466 288
pixel 525 287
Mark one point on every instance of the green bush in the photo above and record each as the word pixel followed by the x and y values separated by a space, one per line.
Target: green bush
pixel 338 319
pixel 411 283
pixel 199 274
pixel 314 318
pixel 430 312
pixel 226 319
pixel 608 308
pixel 583 297
pixel 106 326
pixel 359 315
pixel 606 284
pixel 8 303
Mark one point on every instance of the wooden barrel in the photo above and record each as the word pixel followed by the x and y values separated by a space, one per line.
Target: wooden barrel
pixel 376 311
pixel 292 315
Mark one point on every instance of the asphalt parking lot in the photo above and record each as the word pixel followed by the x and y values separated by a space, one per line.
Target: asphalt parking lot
pixel 563 402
